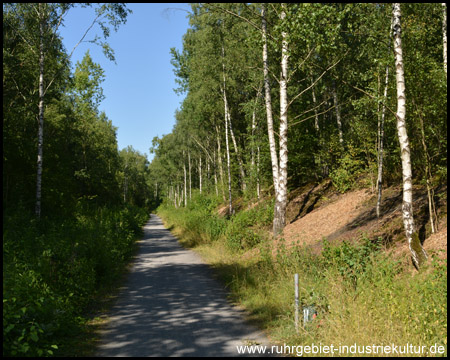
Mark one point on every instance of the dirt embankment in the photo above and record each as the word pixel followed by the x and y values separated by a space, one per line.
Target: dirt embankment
pixel 317 212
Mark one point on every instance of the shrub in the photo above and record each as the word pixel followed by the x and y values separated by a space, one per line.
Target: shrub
pixel 52 270
pixel 350 167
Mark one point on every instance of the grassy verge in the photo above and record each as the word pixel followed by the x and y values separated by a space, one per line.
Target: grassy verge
pixel 362 295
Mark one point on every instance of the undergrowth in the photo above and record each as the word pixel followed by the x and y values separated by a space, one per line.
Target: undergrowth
pixel 362 295
pixel 52 270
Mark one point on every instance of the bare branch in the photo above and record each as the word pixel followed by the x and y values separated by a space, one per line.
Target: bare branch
pixel 300 65
pixel 82 38
pixel 203 148
pixel 315 82
pixel 312 116
pixel 312 109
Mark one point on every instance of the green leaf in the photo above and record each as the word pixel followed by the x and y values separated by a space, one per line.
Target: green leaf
pixel 34 337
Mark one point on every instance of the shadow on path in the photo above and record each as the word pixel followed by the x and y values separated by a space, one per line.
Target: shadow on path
pixel 171 306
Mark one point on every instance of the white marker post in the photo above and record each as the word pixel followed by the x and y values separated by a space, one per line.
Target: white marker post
pixel 296 302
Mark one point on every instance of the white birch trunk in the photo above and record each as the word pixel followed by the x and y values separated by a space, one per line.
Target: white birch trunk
pixel 255 173
pixel 279 220
pixel 219 160
pixel 268 100
pixel 258 181
pixel 176 198
pixel 208 170
pixel 215 173
pixel 418 253
pixel 380 144
pixel 190 176
pixel 228 162
pixel 338 114
pixel 41 112
pixel 227 117
pixel 316 116
pixel 200 173
pixel 185 180
pixel 444 35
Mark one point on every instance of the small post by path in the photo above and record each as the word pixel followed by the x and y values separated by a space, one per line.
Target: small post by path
pixel 296 302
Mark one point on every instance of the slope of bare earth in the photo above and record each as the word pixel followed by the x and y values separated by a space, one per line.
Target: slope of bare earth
pixel 317 212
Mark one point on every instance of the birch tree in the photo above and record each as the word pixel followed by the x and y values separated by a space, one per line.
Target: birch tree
pixel 444 35
pixel 417 251
pixel 279 220
pixel 268 102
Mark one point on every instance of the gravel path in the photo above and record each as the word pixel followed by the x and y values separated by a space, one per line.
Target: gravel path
pixel 172 306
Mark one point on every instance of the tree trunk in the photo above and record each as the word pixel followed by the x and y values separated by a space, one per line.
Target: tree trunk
pixel 41 112
pixel 215 173
pixel 444 35
pixel 255 172
pixel 428 176
pixel 200 173
pixel 236 149
pixel 316 116
pixel 190 175
pixel 380 144
pixel 418 253
pixel 279 220
pixel 338 114
pixel 228 163
pixel 268 100
pixel 185 180
pixel 219 160
pixel 228 115
pixel 258 181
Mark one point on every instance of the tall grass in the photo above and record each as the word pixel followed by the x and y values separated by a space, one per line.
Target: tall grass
pixel 52 269
pixel 362 295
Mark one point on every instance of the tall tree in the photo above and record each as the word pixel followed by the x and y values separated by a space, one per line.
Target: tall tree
pixel 279 220
pixel 418 252
pixel 444 35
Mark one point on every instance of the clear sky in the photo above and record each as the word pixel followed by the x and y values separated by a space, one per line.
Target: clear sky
pixel 140 99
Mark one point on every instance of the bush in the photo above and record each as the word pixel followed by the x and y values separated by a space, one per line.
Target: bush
pixel 350 167
pixel 53 269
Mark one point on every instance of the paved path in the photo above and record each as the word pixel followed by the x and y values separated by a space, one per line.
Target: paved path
pixel 171 306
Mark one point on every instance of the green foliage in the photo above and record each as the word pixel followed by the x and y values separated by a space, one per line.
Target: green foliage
pixel 203 224
pixel 53 269
pixel 350 167
pixel 351 261
pixel 199 219
pixel 241 233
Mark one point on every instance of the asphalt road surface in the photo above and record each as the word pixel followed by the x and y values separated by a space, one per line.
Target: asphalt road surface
pixel 172 306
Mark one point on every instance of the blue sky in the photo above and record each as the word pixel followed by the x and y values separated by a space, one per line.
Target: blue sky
pixel 140 99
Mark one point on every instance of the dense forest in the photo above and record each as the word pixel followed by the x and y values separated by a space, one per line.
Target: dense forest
pixel 277 96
